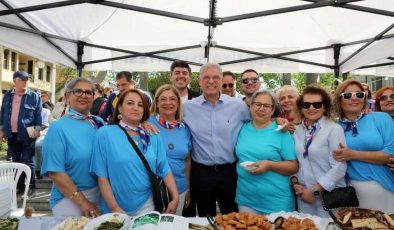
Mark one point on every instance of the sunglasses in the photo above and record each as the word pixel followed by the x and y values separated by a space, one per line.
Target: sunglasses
pixel 348 95
pixel 316 105
pixel 230 85
pixel 385 97
pixel 250 80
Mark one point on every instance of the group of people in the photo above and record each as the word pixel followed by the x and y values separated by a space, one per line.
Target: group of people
pixel 295 146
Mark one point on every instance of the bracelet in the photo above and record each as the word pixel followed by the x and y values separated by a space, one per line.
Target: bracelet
pixel 73 195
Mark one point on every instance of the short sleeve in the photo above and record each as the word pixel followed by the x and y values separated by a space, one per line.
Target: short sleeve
pixel 98 163
pixel 385 126
pixel 288 147
pixel 162 164
pixel 54 150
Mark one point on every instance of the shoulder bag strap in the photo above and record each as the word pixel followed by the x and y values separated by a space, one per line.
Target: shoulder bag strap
pixel 138 151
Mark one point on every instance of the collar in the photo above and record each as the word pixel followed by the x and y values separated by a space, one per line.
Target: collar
pixel 28 91
pixel 223 98
pixel 319 124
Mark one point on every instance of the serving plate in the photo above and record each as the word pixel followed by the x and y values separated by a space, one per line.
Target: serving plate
pixel 359 218
pixel 96 222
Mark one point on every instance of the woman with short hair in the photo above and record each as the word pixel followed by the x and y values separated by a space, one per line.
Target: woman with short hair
pixel 67 152
pixel 263 186
pixel 315 139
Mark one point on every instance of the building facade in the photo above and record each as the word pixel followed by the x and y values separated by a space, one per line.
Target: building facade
pixel 43 73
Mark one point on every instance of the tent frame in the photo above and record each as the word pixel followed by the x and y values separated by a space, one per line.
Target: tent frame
pixel 212 22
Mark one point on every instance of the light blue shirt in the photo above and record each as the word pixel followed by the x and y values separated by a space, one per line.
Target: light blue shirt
pixel 215 128
pixel 67 148
pixel 177 143
pixel 115 159
pixel 320 166
pixel 270 191
pixel 375 133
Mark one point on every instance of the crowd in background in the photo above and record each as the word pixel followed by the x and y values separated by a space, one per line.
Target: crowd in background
pixel 261 152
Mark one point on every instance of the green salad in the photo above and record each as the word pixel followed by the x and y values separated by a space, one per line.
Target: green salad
pixel 9 224
pixel 113 224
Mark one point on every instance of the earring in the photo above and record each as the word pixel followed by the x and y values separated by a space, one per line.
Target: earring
pixel 119 116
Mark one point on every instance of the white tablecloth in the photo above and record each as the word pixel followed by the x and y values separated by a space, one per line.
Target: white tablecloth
pixel 5 200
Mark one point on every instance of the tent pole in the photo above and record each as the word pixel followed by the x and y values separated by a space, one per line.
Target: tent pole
pixel 376 38
pixel 79 63
pixel 337 51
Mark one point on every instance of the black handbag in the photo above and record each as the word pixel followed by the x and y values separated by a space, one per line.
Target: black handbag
pixel 339 198
pixel 161 196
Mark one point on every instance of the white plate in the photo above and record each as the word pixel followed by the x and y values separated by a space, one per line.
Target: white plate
pixel 246 165
pixel 321 223
pixel 96 222
pixel 60 225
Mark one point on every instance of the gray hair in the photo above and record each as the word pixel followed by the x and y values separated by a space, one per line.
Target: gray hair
pixel 265 92
pixel 71 84
pixel 209 66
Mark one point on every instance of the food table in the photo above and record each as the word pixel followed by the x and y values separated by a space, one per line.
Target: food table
pixel 5 200
pixel 49 222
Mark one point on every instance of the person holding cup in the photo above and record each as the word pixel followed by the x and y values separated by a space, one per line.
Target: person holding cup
pixel 20 111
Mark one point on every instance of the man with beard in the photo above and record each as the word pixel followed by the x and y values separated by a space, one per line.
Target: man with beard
pixel 181 76
pixel 250 83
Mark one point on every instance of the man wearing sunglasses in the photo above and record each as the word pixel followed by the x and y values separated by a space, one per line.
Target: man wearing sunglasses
pixel 250 83
pixel 229 85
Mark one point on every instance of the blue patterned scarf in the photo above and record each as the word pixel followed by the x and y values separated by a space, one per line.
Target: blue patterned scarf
pixel 352 125
pixel 95 121
pixel 145 139
pixel 169 125
pixel 310 132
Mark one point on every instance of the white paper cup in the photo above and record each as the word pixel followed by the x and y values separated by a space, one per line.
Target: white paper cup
pixel 30 131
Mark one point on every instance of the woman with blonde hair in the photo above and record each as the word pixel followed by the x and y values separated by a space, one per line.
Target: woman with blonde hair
pixel 370 144
pixel 166 114
pixel 288 96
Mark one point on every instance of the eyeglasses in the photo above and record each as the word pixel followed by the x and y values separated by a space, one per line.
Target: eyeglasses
pixel 385 97
pixel 258 105
pixel 230 85
pixel 250 80
pixel 80 92
pixel 348 95
pixel 316 105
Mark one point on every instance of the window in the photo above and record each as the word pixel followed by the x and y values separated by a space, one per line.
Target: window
pixel 48 75
pixel 30 67
pixel 41 74
pixel 377 83
pixel 6 57
pixel 13 61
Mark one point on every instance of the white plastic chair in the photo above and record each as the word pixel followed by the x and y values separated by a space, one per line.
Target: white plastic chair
pixel 10 173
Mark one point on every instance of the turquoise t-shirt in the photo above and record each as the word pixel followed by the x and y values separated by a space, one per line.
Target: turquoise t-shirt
pixel 177 143
pixel 115 159
pixel 268 192
pixel 375 133
pixel 67 148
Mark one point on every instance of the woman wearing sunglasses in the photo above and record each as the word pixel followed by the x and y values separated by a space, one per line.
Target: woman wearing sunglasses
pixel 370 144
pixel 385 100
pixel 315 139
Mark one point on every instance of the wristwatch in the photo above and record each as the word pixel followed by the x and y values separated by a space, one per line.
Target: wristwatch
pixel 315 192
pixel 293 180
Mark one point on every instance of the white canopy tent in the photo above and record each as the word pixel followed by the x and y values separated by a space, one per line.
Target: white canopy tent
pixel 312 36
